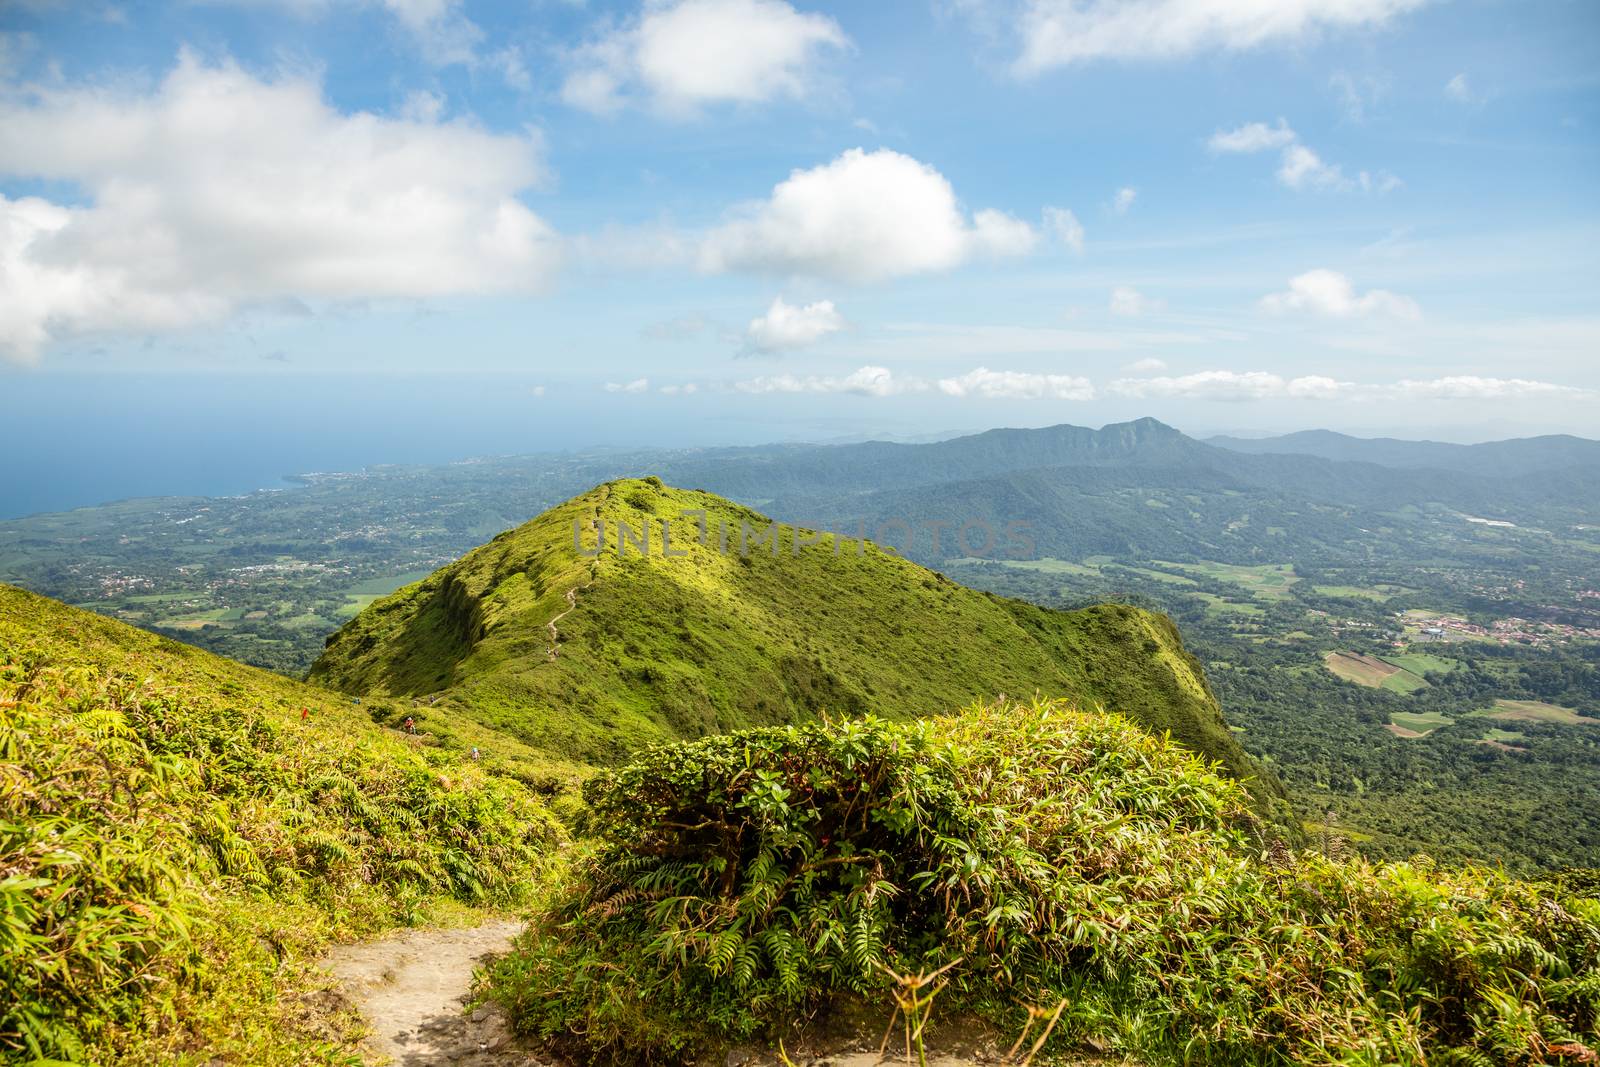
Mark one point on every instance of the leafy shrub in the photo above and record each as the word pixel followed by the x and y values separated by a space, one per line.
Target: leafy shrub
pixel 740 882
pixel 151 835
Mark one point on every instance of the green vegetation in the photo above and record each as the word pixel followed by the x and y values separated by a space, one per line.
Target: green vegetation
pixel 1271 581
pixel 1538 711
pixel 1398 674
pixel 651 648
pixel 1419 723
pixel 1421 663
pixel 1404 772
pixel 180 835
pixel 265 577
pixel 1360 669
pixel 1039 858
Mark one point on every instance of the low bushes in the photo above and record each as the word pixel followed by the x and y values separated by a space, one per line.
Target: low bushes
pixel 740 882
pixel 166 849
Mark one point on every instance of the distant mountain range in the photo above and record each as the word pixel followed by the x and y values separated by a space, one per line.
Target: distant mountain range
pixel 1504 459
pixel 1145 488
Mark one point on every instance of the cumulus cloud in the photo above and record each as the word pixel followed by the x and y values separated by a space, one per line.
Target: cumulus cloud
pixel 1064 226
pixel 1458 88
pixel 683 389
pixel 218 190
pixel 1017 385
pixel 1331 294
pixel 1056 33
pixel 1124 199
pixel 684 55
pixel 865 216
pixel 1252 137
pixel 786 326
pixel 868 381
pixel 634 387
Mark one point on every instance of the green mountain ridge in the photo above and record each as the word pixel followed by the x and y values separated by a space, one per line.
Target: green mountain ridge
pixel 650 649
pixel 1506 459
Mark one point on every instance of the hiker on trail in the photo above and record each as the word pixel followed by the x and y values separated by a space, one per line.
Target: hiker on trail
pixel 305 713
pixel 410 725
pixel 475 753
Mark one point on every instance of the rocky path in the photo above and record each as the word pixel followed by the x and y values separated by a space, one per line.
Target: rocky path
pixel 412 989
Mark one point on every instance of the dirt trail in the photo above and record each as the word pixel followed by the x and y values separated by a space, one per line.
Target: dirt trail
pixel 412 987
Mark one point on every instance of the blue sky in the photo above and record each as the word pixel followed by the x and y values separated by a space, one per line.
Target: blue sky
pixel 735 220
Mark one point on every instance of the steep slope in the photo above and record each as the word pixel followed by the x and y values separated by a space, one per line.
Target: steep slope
pixel 180 835
pixel 649 648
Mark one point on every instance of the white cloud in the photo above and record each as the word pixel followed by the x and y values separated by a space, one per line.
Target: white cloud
pixel 218 190
pixel 994 233
pixel 1231 385
pixel 1299 167
pixel 1128 301
pixel 1064 226
pixel 684 55
pixel 1252 137
pixel 866 216
pixel 1124 199
pixel 1145 366
pixel 868 381
pixel 537 390
pixel 786 326
pixel 636 386
pixel 1225 385
pixel 981 383
pixel 1060 32
pixel 1458 88
pixel 1017 385
pixel 1469 387
pixel 1329 293
pixel 1304 169
pixel 685 389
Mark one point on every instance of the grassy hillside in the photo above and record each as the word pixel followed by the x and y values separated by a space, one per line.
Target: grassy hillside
pixel 179 834
pixel 651 649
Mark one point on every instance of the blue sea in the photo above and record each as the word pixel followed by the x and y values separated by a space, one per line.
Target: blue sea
pixel 71 439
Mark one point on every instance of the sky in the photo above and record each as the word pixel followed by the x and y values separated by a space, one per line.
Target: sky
pixel 241 238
